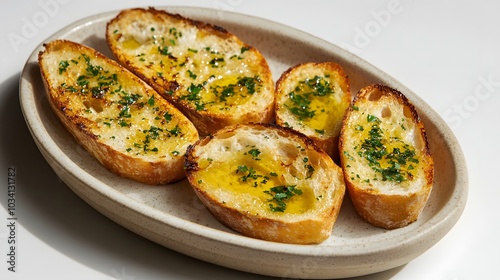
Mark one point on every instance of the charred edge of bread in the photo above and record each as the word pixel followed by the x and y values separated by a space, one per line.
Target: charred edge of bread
pixel 206 123
pixel 144 170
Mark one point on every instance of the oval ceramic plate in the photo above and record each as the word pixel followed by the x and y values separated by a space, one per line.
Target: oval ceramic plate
pixel 172 216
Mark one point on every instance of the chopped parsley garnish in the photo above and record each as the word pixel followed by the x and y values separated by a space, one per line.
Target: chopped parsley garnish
pixel 151 101
pixel 63 64
pixel 92 70
pixel 244 85
pixel 300 106
pixel 194 90
pixel 164 50
pixel 255 153
pixel 280 195
pixel 175 131
pixel 249 172
pixel 167 116
pixel 82 81
pixel 374 150
pixel 191 74
pixel 216 62
pixel 95 82
pixel 300 97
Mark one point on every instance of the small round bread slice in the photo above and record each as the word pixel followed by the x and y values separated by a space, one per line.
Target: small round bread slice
pixel 267 182
pixel 385 157
pixel 312 98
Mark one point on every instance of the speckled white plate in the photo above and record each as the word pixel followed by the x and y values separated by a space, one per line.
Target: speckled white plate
pixel 172 215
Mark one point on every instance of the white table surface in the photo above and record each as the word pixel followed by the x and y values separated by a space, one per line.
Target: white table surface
pixel 448 52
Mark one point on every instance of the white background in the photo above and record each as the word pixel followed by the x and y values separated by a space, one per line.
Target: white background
pixel 448 52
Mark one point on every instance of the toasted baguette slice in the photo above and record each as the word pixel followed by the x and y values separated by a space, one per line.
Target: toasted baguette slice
pixel 312 98
pixel 117 117
pixel 385 157
pixel 267 182
pixel 208 73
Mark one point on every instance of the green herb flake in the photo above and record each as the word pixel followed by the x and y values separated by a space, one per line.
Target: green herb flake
pixel 280 194
pixel 63 65
pixel 164 50
pixel 176 131
pixel 151 101
pixel 191 74
pixel 374 150
pixel 167 116
pixel 254 153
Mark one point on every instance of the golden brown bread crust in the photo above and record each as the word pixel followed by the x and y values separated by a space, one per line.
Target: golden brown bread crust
pixel 175 89
pixel 379 202
pixel 297 232
pixel 73 110
pixel 309 227
pixel 333 74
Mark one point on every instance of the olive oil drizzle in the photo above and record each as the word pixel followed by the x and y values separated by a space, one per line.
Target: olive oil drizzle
pixel 280 194
pixel 300 97
pixel 100 87
pixel 203 92
pixel 394 165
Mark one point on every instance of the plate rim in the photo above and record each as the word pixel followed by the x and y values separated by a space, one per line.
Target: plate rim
pixel 44 141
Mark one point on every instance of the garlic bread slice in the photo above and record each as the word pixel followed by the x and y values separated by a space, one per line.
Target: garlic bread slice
pixel 213 77
pixel 119 119
pixel 312 98
pixel 385 157
pixel 267 182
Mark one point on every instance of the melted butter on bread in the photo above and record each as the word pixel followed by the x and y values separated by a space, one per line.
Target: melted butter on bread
pixel 122 121
pixel 312 98
pixel 202 68
pixel 267 182
pixel 313 102
pixel 121 113
pixel 255 177
pixel 384 140
pixel 385 157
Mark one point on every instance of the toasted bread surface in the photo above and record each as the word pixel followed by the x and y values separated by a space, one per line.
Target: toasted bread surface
pixel 312 98
pixel 385 157
pixel 117 117
pixel 213 77
pixel 267 182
